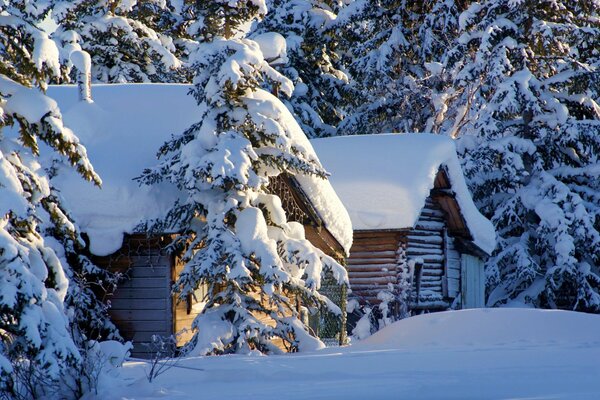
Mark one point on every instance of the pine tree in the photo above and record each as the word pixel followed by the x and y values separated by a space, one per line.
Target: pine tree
pixel 40 302
pixel 393 49
pixel 128 41
pixel 235 233
pixel 525 106
pixel 321 85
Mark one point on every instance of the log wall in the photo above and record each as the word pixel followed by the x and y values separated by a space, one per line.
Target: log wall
pixel 373 263
pixel 141 306
pixel 429 240
pixel 375 260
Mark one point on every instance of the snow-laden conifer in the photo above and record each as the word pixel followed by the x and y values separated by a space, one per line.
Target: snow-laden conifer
pixel 525 103
pixel 46 309
pixel 392 49
pixel 321 85
pixel 128 41
pixel 235 233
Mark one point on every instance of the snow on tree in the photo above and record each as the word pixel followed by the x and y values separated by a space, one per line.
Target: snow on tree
pixel 311 62
pixel 235 233
pixel 39 308
pixel 525 105
pixel 392 49
pixel 128 41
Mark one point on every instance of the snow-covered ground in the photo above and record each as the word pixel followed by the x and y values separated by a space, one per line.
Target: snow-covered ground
pixel 469 354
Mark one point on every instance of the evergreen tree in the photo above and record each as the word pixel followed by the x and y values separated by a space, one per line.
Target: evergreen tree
pixel 321 85
pixel 525 104
pixel 47 310
pixel 393 50
pixel 128 41
pixel 235 233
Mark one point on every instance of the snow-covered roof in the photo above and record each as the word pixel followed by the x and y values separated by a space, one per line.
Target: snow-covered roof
pixel 383 180
pixel 123 129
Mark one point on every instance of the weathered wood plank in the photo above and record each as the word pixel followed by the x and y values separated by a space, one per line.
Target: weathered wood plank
pixel 374 280
pixel 138 336
pixel 139 315
pixel 372 266
pixel 155 293
pixel 453 273
pixel 148 272
pixel 378 240
pixel 371 270
pixel 143 283
pixel 428 258
pixel 432 272
pixel 418 251
pixel 424 245
pixel 430 225
pixel 139 304
pixel 150 261
pixel 159 327
pixel 367 274
pixel 453 287
pixel 373 261
pixel 374 254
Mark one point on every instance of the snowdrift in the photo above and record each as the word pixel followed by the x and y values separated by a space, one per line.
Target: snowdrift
pixel 489 327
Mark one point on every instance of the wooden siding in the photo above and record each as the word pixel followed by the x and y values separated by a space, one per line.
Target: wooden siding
pixel 373 263
pixel 184 312
pixel 141 305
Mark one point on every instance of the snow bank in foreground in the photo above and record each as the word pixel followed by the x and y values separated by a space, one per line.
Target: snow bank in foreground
pixel 383 180
pixel 478 354
pixel 487 327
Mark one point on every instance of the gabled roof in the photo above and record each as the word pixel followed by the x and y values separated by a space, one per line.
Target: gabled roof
pixel 383 180
pixel 123 129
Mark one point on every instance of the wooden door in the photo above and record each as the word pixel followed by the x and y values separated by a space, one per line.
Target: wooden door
pixel 472 282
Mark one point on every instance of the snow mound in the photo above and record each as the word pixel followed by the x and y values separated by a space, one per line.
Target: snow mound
pixel 273 46
pixel 383 180
pixel 487 327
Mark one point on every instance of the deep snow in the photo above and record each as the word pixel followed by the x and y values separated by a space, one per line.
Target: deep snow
pixel 468 354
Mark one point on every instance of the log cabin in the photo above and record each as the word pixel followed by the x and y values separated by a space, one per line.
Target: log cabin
pixel 417 231
pixel 123 129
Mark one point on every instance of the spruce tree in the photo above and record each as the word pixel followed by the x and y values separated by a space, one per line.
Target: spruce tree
pixel 525 105
pixel 393 50
pixel 128 41
pixel 234 232
pixel 37 349
pixel 321 85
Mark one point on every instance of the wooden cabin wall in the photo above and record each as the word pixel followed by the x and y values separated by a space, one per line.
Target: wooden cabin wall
pixel 373 263
pixel 185 310
pixel 141 306
pixel 440 276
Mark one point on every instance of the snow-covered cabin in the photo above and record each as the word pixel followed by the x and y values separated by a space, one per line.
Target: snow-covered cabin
pixel 123 128
pixel 413 219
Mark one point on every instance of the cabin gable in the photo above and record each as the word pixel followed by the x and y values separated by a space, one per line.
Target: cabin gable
pixel 436 249
pixel 299 208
